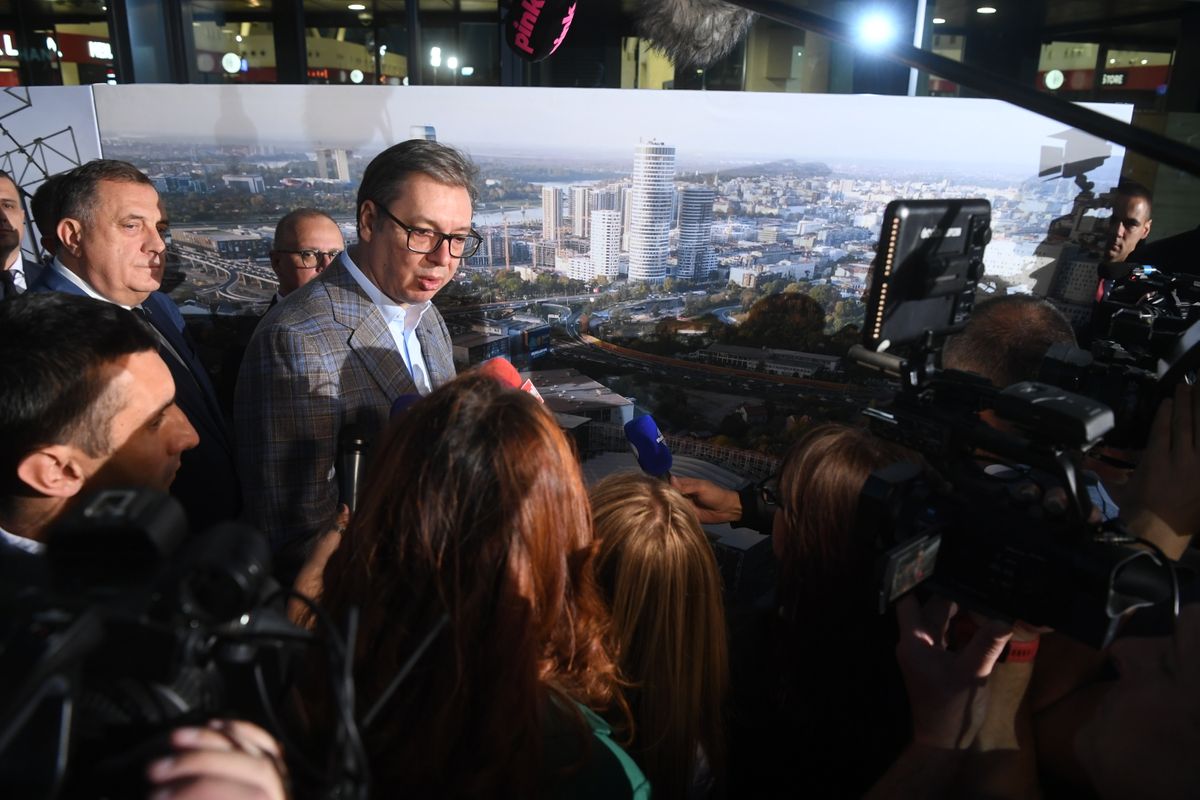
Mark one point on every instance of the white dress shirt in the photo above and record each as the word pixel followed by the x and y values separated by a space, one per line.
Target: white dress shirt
pixel 402 320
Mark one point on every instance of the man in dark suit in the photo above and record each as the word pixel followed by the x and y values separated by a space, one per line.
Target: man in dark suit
pixel 86 403
pixel 110 230
pixel 346 346
pixel 16 274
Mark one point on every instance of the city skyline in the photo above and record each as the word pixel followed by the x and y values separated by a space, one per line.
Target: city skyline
pixel 731 126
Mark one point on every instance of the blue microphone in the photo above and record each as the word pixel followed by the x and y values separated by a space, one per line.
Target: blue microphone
pixel 650 447
pixel 402 404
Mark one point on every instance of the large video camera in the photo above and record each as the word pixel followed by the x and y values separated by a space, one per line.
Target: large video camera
pixel 125 629
pixel 1144 340
pixel 963 525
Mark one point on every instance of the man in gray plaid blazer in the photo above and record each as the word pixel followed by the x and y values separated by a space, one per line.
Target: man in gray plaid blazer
pixel 343 348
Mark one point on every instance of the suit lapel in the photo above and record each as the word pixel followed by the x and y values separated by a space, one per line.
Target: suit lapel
pixel 370 339
pixel 434 341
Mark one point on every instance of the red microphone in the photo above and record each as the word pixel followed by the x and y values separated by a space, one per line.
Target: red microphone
pixel 502 370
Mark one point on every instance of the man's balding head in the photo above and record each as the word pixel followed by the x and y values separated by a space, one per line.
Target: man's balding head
pixel 1006 338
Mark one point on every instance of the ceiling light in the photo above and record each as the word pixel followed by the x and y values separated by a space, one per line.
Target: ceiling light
pixel 986 10
pixel 467 72
pixel 356 7
pixel 1145 61
pixel 939 20
pixel 1112 61
pixel 875 29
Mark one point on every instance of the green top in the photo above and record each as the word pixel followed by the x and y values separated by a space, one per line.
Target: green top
pixel 603 771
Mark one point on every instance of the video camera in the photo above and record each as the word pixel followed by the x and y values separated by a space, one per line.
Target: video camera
pixel 962 525
pixel 125 629
pixel 1144 340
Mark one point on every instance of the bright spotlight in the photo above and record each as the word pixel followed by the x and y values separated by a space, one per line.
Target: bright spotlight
pixel 986 10
pixel 876 30
pixel 939 20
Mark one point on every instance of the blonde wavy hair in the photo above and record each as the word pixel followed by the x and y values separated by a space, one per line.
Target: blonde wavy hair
pixel 659 575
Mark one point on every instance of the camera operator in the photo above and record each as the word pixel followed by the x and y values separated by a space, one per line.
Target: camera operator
pixel 86 403
pixel 1005 341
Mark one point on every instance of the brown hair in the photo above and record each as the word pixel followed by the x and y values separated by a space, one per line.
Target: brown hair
pixel 661 580
pixel 820 480
pixel 1006 338
pixel 474 507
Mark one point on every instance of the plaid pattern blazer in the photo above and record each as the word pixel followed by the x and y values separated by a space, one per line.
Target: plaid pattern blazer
pixel 321 360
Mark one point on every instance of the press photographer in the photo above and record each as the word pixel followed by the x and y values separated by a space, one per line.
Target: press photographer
pixel 93 652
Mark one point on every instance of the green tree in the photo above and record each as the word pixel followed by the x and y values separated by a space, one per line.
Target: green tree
pixel 787 321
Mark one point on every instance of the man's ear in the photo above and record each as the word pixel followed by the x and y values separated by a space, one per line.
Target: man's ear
pixel 70 233
pixel 55 470
pixel 1146 232
pixel 367 214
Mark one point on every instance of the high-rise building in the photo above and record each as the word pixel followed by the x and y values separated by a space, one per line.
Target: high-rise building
pixel 581 206
pixel 551 212
pixel 695 231
pixel 625 206
pixel 650 219
pixel 605 199
pixel 333 163
pixel 606 242
pixel 580 268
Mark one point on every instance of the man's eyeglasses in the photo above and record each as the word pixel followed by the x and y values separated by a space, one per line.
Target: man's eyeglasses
pixel 423 240
pixel 311 259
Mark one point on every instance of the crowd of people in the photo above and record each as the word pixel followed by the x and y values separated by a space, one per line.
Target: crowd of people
pixel 514 631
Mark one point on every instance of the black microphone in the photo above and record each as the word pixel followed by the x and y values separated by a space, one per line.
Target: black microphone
pixel 534 29
pixel 352 450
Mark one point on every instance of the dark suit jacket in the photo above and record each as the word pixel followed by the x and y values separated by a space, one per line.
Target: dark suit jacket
pixel 320 361
pixel 207 484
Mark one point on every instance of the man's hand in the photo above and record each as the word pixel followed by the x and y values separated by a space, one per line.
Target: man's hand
pixel 223 760
pixel 1163 505
pixel 310 579
pixel 713 503
pixel 947 691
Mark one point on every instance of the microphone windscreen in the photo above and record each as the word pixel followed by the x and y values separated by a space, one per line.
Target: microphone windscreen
pixel 401 404
pixel 502 370
pixel 692 32
pixel 649 445
pixel 534 29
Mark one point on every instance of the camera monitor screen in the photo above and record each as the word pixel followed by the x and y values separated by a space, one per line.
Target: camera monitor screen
pixel 929 261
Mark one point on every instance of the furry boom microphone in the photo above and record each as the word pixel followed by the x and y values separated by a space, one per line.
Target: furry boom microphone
pixel 692 32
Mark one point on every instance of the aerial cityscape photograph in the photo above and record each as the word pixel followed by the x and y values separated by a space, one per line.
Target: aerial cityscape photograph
pixel 696 256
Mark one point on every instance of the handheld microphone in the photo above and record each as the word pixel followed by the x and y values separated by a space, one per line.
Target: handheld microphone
pixel 352 449
pixel 534 29
pixel 402 403
pixel 502 370
pixel 650 447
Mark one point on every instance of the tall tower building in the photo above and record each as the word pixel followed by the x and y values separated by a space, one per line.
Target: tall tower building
pixel 551 212
pixel 695 230
pixel 606 242
pixel 333 163
pixel 650 218
pixel 581 206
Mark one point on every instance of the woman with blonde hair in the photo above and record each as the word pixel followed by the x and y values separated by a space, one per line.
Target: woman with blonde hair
pixel 660 577
pixel 474 532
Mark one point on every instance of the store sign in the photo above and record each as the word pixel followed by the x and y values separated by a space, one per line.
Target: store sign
pixel 1112 79
pixel 100 50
